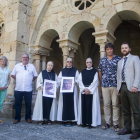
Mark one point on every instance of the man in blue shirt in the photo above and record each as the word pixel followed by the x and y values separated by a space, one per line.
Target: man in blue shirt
pixel 108 77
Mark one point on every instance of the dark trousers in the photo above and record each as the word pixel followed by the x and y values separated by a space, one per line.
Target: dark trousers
pixel 87 109
pixel 18 104
pixel 130 100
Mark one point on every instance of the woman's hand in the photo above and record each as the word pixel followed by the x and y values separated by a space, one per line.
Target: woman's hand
pixel 3 88
pixel 87 91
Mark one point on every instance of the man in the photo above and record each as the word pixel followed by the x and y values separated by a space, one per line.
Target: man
pixel 128 79
pixel 107 71
pixel 67 107
pixel 24 73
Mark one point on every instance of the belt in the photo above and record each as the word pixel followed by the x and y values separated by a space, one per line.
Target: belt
pixel 86 85
pixel 123 83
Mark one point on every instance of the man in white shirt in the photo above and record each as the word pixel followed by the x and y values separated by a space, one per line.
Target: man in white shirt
pixel 24 73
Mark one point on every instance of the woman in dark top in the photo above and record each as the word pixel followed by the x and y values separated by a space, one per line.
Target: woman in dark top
pixel 89 105
pixel 45 107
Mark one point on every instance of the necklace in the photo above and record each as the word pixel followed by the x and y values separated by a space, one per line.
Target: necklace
pixel 50 77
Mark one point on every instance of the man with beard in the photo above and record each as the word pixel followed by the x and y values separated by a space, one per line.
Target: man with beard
pixel 128 82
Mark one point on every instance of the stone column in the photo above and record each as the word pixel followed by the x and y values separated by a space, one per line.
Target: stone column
pixel 101 38
pixel 43 62
pixel 65 51
pixel 67 45
pixel 37 63
pixel 71 54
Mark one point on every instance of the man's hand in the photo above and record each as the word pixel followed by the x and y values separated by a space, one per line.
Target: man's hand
pixel 118 92
pixel 134 89
pixel 75 83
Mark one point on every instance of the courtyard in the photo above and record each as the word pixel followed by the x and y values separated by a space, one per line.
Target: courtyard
pixel 33 131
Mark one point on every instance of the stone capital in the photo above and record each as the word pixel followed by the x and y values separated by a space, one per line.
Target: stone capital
pixel 39 50
pixel 68 43
pixel 103 37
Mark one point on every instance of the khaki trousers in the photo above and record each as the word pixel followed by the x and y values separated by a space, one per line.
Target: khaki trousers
pixel 110 95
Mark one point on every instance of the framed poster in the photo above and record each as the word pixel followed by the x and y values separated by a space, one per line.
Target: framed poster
pixel 49 89
pixel 67 84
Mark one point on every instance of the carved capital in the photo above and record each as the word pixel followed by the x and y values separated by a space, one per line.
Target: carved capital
pixel 103 37
pixel 39 50
pixel 68 43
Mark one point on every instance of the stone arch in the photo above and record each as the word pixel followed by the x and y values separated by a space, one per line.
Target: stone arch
pixel 116 14
pixel 38 17
pixel 117 19
pixel 47 38
pixel 76 31
pixel 81 20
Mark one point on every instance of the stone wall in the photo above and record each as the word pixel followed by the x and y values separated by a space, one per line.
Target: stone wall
pixel 40 27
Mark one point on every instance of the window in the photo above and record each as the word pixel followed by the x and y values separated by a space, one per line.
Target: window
pixel 83 4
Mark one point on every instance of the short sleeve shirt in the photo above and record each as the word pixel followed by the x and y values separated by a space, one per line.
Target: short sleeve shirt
pixel 4 76
pixel 109 71
pixel 24 77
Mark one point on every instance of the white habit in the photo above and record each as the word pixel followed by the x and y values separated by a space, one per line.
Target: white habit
pixel 93 88
pixel 60 102
pixel 38 108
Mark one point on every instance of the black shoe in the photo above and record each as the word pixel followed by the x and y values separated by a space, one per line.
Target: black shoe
pixel 124 132
pixel 73 123
pixel 64 123
pixel 84 125
pixel 135 135
pixel 49 122
pixel 89 126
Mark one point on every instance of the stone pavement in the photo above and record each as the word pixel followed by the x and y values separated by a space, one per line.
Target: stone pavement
pixel 33 131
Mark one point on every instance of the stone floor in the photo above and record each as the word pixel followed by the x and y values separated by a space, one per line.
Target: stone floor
pixel 33 131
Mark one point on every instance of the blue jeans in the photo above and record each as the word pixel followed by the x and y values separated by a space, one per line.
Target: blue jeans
pixel 18 104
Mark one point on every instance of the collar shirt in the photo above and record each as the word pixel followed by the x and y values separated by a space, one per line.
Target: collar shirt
pixel 109 71
pixel 24 76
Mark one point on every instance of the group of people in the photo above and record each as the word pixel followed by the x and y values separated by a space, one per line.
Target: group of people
pixel 119 77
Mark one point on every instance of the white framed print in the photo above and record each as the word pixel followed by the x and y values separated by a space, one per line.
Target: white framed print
pixel 67 84
pixel 49 89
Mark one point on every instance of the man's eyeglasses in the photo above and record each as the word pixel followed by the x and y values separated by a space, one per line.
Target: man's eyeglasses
pixel 69 61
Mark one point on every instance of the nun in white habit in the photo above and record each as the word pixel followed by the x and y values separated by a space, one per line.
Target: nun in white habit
pixel 68 102
pixel 89 105
pixel 45 108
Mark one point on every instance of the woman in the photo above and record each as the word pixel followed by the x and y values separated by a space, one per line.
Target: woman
pixel 68 102
pixel 45 107
pixel 89 105
pixel 4 80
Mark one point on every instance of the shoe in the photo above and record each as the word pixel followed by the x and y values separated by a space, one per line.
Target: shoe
pixel 84 125
pixel 15 121
pixel 1 121
pixel 49 122
pixel 124 132
pixel 64 123
pixel 41 123
pixel 29 121
pixel 135 135
pixel 73 123
pixel 89 126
